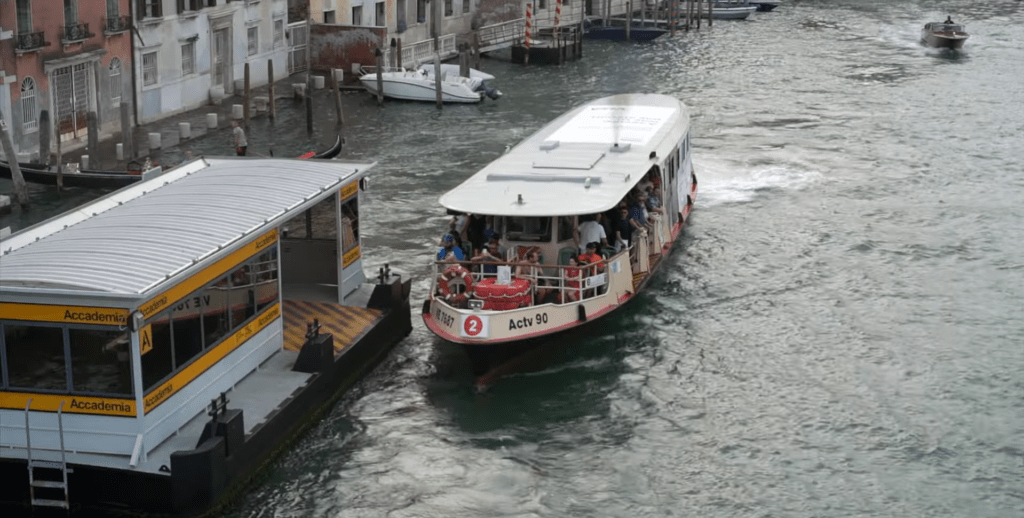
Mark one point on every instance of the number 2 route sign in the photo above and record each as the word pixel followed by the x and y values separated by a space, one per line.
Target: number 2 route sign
pixel 474 326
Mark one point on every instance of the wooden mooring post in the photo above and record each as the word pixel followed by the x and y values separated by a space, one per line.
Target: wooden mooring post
pixel 20 192
pixel 380 77
pixel 271 111
pixel 336 86
pixel 44 135
pixel 629 17
pixel 437 79
pixel 247 97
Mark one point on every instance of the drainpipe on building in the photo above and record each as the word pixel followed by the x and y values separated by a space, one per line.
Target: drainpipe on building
pixel 135 33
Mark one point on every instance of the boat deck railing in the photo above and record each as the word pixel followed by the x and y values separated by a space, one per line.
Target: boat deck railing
pixel 554 283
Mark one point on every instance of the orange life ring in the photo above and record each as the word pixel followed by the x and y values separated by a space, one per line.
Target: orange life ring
pixel 451 279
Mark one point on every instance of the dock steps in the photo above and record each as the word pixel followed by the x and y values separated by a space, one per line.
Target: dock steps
pixel 54 484
pixel 45 502
pixel 47 485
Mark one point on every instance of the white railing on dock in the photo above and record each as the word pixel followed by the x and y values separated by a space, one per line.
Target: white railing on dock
pixel 500 35
pixel 423 52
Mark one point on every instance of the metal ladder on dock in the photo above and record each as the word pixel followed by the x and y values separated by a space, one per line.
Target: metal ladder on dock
pixel 62 466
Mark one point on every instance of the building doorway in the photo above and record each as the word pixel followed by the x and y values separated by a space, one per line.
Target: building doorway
pixel 73 99
pixel 222 58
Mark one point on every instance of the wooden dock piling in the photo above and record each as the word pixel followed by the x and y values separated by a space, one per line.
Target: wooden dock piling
pixel 336 87
pixel 437 79
pixel 271 110
pixel 247 97
pixel 20 192
pixel 380 78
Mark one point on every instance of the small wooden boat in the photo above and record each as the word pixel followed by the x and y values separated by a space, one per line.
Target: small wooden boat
pixel 87 178
pixel 946 35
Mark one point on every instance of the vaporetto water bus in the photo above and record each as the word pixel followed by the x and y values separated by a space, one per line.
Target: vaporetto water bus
pixel 539 196
pixel 161 344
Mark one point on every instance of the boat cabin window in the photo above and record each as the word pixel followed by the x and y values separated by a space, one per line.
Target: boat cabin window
pixel 566 228
pixel 87 360
pixel 316 222
pixel 349 225
pixel 208 316
pixel 519 228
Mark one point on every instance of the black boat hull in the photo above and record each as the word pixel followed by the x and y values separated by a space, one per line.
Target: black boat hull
pixel 37 173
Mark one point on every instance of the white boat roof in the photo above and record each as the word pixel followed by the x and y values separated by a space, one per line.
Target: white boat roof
pixel 134 239
pixel 583 162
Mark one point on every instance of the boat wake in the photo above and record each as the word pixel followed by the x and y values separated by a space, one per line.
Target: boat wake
pixel 721 182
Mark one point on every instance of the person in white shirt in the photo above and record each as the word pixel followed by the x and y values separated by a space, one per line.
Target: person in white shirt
pixel 241 144
pixel 591 230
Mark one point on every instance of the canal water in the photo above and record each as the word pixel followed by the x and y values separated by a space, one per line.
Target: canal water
pixel 840 329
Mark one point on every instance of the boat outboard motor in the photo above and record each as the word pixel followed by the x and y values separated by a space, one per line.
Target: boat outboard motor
pixel 493 93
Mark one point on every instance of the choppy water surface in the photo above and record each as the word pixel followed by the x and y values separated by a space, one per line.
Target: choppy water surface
pixel 839 333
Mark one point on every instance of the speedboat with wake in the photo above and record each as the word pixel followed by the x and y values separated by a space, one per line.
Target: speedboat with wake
pixel 946 35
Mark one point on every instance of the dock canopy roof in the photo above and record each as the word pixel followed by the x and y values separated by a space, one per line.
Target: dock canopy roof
pixel 583 162
pixel 135 238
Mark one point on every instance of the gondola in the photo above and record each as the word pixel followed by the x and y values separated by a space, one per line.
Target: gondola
pixel 87 178
pixel 326 154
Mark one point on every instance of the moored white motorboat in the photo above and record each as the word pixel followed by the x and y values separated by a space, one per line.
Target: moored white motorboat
pixel 586 162
pixel 417 85
pixel 450 70
pixel 732 9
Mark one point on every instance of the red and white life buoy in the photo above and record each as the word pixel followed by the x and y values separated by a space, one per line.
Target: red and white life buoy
pixel 455 284
pixel 503 297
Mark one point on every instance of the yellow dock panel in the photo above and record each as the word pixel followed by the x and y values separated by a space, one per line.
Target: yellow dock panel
pixel 344 322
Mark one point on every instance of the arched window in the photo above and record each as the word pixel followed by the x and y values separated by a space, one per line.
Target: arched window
pixel 115 81
pixel 28 104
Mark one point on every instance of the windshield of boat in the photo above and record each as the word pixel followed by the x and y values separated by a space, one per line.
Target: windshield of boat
pixel 528 228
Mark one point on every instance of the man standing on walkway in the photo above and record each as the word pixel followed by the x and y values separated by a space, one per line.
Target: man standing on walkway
pixel 240 143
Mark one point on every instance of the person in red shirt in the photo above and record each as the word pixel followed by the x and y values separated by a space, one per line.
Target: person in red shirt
pixel 591 257
pixel 572 281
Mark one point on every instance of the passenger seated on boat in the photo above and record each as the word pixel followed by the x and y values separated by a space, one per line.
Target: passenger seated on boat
pixel 571 282
pixel 530 269
pixel 591 257
pixel 949 20
pixel 490 256
pixel 595 265
pixel 449 252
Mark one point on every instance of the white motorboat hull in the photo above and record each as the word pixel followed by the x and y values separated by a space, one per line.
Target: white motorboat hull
pixel 732 13
pixel 450 70
pixel 417 86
